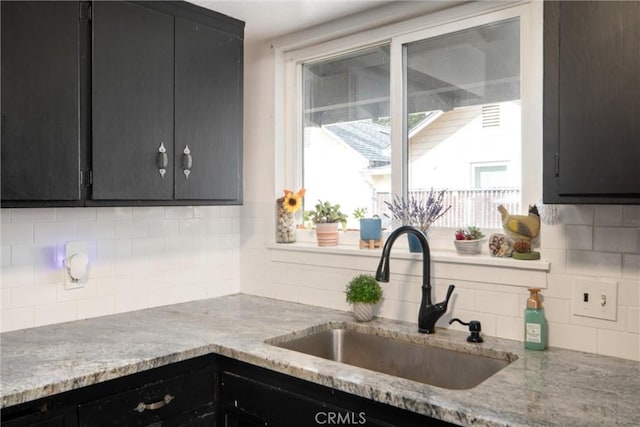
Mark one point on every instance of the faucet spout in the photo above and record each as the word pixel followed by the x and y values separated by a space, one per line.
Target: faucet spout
pixel 428 313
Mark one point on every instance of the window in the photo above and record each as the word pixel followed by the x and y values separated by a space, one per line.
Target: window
pixel 346 139
pixel 444 108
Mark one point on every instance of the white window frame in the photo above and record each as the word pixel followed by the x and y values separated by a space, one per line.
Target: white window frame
pixel 289 62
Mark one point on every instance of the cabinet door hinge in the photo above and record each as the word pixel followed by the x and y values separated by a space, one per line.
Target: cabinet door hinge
pixel 557 161
pixel 86 178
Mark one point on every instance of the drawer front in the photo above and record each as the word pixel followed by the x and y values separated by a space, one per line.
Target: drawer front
pixel 152 402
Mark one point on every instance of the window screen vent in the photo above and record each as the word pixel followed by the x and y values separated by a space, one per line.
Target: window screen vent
pixel 490 116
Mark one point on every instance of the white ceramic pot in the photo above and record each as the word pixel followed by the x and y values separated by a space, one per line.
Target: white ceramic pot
pixel 468 247
pixel 327 234
pixel 363 312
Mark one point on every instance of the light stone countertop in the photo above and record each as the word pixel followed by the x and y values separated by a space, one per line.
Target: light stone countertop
pixel 554 387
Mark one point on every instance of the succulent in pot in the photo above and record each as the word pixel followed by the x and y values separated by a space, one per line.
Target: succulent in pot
pixel 468 241
pixel 364 293
pixel 327 217
pixel 370 227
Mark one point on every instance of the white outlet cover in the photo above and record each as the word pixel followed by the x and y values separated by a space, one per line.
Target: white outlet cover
pixel 75 250
pixel 595 298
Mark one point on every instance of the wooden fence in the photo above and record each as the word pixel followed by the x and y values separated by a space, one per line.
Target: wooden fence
pixel 468 207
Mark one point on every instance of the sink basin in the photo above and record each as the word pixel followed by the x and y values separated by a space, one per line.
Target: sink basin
pixel 428 364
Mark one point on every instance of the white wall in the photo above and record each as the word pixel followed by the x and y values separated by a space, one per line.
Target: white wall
pixel 593 242
pixel 140 257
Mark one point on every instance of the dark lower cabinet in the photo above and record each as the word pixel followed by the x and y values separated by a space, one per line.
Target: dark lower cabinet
pixel 253 396
pixel 180 394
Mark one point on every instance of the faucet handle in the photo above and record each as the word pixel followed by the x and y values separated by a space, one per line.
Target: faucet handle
pixel 474 328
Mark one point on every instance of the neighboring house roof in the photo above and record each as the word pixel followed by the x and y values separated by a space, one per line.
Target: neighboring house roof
pixel 430 117
pixel 370 140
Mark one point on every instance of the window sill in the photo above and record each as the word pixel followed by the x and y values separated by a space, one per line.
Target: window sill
pixel 446 264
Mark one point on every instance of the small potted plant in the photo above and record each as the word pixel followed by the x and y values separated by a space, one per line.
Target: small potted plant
pixel 418 212
pixel 326 218
pixel 468 241
pixel 370 228
pixel 364 293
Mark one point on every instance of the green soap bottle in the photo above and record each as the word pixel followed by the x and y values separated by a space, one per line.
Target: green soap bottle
pixel 535 325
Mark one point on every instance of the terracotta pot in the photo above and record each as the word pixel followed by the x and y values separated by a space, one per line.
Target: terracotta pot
pixel 327 234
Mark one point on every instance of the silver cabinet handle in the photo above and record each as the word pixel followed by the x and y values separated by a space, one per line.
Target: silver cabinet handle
pixel 187 162
pixel 163 160
pixel 155 405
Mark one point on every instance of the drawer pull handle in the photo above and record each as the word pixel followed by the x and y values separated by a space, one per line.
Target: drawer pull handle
pixel 155 405
pixel 163 160
pixel 187 162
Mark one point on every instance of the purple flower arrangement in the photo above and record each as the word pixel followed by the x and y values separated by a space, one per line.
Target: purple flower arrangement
pixel 420 213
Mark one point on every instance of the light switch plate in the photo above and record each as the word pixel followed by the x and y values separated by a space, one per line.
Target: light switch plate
pixel 595 298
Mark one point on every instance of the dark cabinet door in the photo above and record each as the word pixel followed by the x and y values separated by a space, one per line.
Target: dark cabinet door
pixel 208 113
pixel 40 101
pixel 592 101
pixel 132 102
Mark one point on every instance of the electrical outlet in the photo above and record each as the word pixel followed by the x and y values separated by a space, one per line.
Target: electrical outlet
pixel 597 299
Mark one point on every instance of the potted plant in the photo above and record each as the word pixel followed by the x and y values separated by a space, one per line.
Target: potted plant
pixel 326 218
pixel 370 228
pixel 418 212
pixel 468 241
pixel 364 293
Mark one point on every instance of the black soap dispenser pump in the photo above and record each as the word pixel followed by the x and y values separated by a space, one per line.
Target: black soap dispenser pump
pixel 474 328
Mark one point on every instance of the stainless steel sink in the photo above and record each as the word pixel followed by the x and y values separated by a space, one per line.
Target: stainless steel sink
pixel 451 369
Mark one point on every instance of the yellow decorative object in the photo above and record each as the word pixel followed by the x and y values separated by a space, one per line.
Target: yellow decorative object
pixel 523 229
pixel 292 201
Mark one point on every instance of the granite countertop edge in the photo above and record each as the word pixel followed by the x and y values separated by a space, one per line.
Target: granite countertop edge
pixel 554 387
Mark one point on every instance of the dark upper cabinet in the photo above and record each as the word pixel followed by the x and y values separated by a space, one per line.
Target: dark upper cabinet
pixel 119 103
pixel 40 101
pixel 208 113
pixel 132 88
pixel 592 102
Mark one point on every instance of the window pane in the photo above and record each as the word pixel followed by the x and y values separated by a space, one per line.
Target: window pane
pixel 463 120
pixel 346 150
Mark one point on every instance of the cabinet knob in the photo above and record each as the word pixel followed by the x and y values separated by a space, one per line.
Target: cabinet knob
pixel 187 162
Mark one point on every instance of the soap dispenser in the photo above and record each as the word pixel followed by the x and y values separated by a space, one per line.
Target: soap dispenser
pixel 535 325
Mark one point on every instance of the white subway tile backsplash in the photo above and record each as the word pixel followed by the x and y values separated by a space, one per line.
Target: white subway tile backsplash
pixel 619 344
pixel 148 212
pixel 33 215
pixel 147 247
pixel 96 230
pixel 193 227
pixel 164 228
pixel 573 337
pixel 5 254
pixel 34 254
pixel 616 239
pixel 17 318
pixel 16 275
pixel 579 237
pixel 633 320
pixel 608 215
pixel 130 229
pixel 17 233
pixel 95 307
pixel 76 214
pixel 577 214
pixel 511 328
pixel 54 232
pixel 498 303
pixel 55 313
pixel 598 264
pixel 178 212
pixel 5 216
pixel 24 296
pixel 49 273
pixel 114 214
pixel 631 267
pixel 631 216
